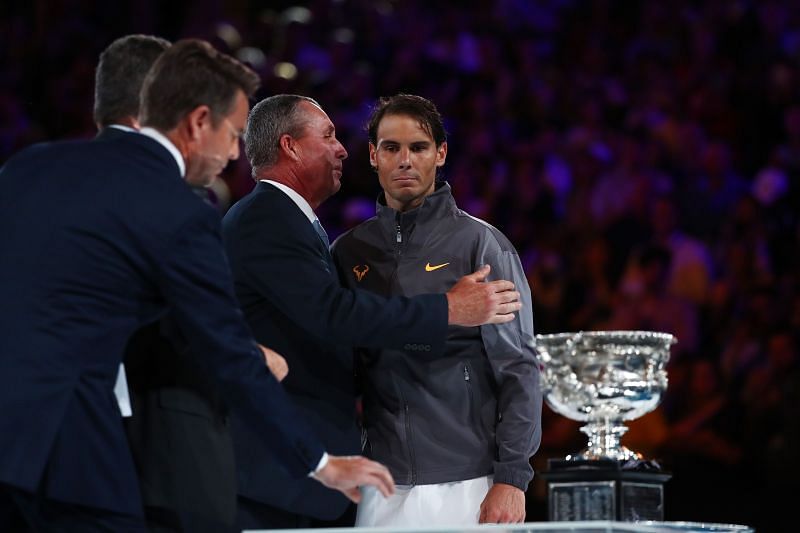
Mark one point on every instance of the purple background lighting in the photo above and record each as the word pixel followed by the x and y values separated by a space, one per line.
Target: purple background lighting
pixel 643 157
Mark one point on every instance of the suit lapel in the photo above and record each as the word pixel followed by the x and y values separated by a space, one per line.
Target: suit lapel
pixel 309 233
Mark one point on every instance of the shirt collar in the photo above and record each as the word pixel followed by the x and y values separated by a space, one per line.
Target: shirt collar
pixel 123 128
pixel 166 143
pixel 296 198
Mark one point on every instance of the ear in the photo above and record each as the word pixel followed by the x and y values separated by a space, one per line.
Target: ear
pixel 288 145
pixel 441 154
pixel 198 120
pixel 373 156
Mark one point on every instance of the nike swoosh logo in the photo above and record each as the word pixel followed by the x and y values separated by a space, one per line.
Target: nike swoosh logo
pixel 429 268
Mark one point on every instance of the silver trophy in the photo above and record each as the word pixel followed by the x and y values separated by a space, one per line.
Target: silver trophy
pixel 604 378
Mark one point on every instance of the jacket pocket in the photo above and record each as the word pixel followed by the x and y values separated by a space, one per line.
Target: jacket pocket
pixel 472 395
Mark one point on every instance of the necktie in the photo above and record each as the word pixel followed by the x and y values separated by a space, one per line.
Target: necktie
pixel 321 232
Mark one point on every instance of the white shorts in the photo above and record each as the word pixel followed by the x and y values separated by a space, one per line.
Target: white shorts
pixel 444 504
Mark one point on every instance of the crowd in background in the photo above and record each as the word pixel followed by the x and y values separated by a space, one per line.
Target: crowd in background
pixel 643 157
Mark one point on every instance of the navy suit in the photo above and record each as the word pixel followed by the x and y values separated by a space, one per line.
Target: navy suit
pixel 179 422
pixel 98 238
pixel 290 294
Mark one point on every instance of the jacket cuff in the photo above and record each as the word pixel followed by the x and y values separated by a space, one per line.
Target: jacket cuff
pixel 322 464
pixel 515 475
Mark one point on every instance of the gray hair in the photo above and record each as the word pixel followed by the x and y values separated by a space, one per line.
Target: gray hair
pixel 268 121
pixel 120 74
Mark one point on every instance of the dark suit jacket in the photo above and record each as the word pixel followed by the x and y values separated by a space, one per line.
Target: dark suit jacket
pixel 178 432
pixel 290 293
pixel 98 238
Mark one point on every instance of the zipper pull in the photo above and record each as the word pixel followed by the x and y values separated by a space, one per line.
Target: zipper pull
pixel 466 374
pixel 399 235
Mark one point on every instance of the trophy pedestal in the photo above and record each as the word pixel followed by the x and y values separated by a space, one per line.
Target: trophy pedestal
pixel 603 489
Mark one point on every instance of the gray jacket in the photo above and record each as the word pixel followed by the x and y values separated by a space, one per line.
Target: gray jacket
pixel 473 410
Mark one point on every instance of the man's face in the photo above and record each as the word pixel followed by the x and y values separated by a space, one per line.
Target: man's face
pixel 406 158
pixel 320 155
pixel 216 146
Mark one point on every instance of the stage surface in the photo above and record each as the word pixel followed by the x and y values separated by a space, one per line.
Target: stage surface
pixel 549 527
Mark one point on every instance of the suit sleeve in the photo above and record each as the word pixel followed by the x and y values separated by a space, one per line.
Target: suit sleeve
pixel 196 281
pixel 511 355
pixel 284 262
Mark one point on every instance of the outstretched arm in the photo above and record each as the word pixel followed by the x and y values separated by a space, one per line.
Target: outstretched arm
pixel 473 301
pixel 347 473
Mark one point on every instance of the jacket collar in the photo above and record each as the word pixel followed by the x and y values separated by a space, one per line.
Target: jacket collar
pixel 414 226
pixel 148 143
pixel 295 196
pixel 108 133
pixel 168 145
pixel 439 203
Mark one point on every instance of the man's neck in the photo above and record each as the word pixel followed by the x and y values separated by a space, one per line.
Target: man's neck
pixel 168 140
pixel 301 202
pixel 291 180
pixel 178 140
pixel 401 207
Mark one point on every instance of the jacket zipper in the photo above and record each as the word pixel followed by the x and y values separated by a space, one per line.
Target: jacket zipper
pixel 398 252
pixel 398 232
pixel 472 406
pixel 410 446
pixel 411 456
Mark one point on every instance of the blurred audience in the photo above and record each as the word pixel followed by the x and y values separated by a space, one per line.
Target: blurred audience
pixel 644 158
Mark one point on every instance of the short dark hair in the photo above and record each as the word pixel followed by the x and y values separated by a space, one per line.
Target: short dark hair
pixel 416 107
pixel 119 75
pixel 193 73
pixel 268 120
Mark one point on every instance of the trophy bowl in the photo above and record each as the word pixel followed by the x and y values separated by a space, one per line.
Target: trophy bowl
pixel 604 378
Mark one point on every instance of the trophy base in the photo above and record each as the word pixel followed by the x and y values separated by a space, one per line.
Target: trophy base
pixel 617 453
pixel 604 442
pixel 604 489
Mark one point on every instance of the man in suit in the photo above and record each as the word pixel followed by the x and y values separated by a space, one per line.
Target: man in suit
pixel 118 79
pixel 177 422
pixel 100 238
pixel 290 293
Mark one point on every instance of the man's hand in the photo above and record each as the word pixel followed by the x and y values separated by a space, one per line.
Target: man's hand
pixel 504 504
pixel 346 474
pixel 275 362
pixel 472 302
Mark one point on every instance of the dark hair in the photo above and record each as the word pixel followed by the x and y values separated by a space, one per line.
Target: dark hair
pixel 268 120
pixel 119 75
pixel 416 107
pixel 193 73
